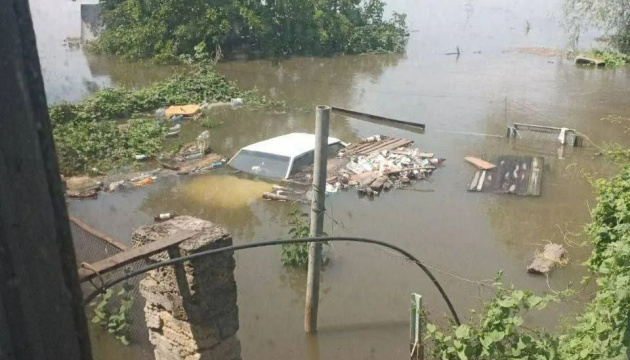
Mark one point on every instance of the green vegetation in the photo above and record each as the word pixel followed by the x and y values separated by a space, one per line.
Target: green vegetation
pixel 612 58
pixel 296 255
pixel 208 124
pixel 598 332
pixel 111 312
pixel 611 16
pixel 87 135
pixel 175 30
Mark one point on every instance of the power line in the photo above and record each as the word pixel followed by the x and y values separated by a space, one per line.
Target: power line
pixel 412 258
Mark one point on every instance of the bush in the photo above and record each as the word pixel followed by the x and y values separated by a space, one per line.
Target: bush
pixel 613 59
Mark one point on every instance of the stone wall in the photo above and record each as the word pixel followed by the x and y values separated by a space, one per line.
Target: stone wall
pixel 191 309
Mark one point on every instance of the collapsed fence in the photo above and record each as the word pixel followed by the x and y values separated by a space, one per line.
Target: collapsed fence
pixel 91 246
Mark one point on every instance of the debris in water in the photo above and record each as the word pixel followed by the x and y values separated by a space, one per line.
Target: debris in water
pixel 373 165
pixel 587 60
pixel 145 181
pixel 184 110
pixel 164 217
pixel 543 263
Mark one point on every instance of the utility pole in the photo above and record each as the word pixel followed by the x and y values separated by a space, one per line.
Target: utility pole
pixel 322 119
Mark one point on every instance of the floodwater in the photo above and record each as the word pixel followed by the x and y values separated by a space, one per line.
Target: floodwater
pixel 468 237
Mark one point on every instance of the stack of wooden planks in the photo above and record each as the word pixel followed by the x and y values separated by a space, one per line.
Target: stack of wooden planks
pixel 368 148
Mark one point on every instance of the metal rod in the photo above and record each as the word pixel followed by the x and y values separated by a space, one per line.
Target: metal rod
pixel 322 119
pixel 415 328
pixel 375 118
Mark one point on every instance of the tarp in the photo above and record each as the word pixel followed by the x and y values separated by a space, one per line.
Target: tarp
pixel 185 110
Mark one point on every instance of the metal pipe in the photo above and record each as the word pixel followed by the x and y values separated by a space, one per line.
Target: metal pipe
pixel 311 305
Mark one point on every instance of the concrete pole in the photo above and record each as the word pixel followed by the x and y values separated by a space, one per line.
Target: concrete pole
pixel 317 218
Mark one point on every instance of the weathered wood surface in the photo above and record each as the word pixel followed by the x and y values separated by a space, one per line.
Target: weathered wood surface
pixel 41 316
pixel 519 175
pixel 480 163
pixel 377 146
pixel 535 179
pixel 543 263
pixel 134 254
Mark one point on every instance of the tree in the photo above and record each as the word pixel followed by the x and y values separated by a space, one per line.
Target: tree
pixel 612 16
pixel 169 29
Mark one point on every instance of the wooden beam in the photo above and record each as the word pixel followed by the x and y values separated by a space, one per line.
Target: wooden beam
pixel 40 298
pixel 132 255
pixel 535 180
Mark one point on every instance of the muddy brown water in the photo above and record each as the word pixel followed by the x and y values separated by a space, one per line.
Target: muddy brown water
pixel 467 236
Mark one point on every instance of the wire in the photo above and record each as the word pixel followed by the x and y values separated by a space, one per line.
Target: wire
pixel 140 271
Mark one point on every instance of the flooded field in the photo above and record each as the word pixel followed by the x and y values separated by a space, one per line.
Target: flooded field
pixel 467 236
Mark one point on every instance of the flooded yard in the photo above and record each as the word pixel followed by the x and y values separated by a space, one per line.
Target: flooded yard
pixel 466 237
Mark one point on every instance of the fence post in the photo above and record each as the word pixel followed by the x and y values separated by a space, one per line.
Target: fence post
pixel 415 328
pixel 317 218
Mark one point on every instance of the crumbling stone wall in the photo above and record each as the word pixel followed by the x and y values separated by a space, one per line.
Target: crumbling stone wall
pixel 191 309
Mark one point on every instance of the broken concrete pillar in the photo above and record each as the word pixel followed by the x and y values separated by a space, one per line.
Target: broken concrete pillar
pixel 191 310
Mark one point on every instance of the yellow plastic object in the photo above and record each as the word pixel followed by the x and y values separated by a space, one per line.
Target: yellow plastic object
pixel 143 182
pixel 185 110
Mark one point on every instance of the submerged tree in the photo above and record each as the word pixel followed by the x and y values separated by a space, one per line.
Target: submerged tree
pixel 170 29
pixel 612 16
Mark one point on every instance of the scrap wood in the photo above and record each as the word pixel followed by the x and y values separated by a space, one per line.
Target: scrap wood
pixel 357 177
pixel 277 197
pixel 424 155
pixel 479 163
pixel 553 254
pixel 85 194
pixel 169 166
pixel 278 188
pixel 428 167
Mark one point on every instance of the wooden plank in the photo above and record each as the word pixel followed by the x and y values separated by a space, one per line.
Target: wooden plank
pixel 535 179
pixel 377 146
pixel 481 180
pixel 40 297
pixel 479 163
pixel 396 145
pixel 132 255
pixel 473 184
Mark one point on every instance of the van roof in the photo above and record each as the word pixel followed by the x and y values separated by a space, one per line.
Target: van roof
pixel 289 145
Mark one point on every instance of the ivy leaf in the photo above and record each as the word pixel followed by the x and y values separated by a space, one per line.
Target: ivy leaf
pixel 431 328
pixel 463 331
pixel 506 302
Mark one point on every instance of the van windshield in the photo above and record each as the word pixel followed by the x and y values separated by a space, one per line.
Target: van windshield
pixel 259 163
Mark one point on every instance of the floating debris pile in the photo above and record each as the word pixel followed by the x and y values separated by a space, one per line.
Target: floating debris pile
pixel 373 165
